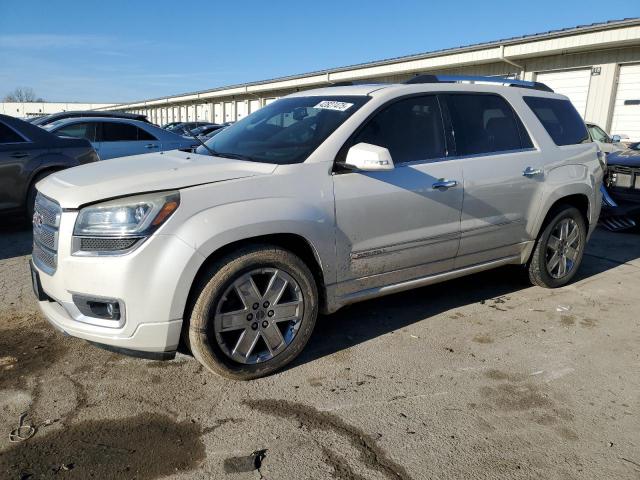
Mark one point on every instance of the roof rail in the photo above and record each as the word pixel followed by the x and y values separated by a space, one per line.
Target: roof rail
pixel 478 79
pixel 346 83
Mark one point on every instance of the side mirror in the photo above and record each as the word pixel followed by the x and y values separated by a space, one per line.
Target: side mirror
pixel 369 158
pixel 616 139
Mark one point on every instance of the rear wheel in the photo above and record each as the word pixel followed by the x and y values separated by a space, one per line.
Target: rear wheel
pixel 254 313
pixel 559 249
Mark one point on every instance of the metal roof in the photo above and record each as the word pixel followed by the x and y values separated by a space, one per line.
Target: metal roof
pixel 419 56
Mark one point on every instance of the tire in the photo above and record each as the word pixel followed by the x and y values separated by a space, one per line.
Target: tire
pixel 32 192
pixel 542 268
pixel 235 292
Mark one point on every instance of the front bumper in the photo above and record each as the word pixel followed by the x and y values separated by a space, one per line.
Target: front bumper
pixel 152 282
pixel 148 337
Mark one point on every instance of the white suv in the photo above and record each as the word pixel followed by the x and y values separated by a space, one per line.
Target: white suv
pixel 318 200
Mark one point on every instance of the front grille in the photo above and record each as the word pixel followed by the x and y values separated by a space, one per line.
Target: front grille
pixel 46 221
pixel 623 177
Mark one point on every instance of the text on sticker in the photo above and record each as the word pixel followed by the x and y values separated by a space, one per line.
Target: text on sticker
pixel 333 105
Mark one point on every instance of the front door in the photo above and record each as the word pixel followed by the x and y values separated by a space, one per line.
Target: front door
pixel 404 223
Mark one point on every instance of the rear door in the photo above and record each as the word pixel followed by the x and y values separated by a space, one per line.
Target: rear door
pixel 16 152
pixel 120 139
pixel 398 225
pixel 502 173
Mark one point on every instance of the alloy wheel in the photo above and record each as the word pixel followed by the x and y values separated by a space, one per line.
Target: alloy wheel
pixel 563 248
pixel 258 315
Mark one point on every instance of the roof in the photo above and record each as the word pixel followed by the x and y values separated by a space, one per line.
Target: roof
pixel 635 21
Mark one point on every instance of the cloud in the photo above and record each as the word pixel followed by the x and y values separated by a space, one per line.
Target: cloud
pixel 35 41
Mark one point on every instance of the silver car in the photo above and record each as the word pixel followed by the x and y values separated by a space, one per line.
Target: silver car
pixel 120 137
pixel 321 199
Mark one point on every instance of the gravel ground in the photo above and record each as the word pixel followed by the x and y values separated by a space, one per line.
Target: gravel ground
pixel 481 377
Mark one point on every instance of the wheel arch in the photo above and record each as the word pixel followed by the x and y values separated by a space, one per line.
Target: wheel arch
pixel 293 242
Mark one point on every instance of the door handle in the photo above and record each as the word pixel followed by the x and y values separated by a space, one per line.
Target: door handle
pixel 443 184
pixel 150 145
pixel 19 155
pixel 531 172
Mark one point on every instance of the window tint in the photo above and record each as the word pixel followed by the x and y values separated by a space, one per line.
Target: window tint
pixel 119 132
pixel 7 135
pixel 144 135
pixel 560 119
pixel 78 130
pixel 598 135
pixel 410 129
pixel 484 124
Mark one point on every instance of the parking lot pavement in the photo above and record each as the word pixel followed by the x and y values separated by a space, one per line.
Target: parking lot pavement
pixel 481 377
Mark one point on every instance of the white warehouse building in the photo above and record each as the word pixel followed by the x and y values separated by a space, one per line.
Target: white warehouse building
pixel 36 109
pixel 597 66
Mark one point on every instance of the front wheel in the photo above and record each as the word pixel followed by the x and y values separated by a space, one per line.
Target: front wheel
pixel 254 312
pixel 559 249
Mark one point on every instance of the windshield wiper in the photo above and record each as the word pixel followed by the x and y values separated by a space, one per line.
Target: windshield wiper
pixel 235 156
pixel 211 152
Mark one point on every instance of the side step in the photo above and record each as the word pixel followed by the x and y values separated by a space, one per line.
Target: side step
pixel 616 224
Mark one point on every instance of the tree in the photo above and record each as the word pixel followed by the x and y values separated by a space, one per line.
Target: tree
pixel 22 94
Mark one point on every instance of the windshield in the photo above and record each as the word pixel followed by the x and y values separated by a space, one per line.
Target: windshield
pixel 285 131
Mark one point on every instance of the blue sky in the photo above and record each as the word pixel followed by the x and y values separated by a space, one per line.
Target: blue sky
pixel 116 51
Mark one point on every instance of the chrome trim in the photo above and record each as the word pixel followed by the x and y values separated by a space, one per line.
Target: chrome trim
pixel 423 281
pixel 46 221
pixel 77 252
pixel 76 315
pixel 409 244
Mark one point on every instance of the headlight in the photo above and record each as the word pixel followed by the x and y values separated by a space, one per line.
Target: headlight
pixel 115 227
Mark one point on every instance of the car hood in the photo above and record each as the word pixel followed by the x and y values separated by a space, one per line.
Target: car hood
pixel 123 176
pixel 627 158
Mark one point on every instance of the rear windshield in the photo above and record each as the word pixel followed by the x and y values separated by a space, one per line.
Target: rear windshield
pixel 560 118
pixel 285 131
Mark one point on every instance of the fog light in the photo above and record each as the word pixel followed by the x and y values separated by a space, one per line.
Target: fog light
pixel 104 308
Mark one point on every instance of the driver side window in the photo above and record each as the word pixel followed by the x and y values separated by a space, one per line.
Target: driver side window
pixel 411 129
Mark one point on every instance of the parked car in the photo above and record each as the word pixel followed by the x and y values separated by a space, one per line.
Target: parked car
pixel 621 190
pixel 183 128
pixel 27 155
pixel 48 119
pixel 606 143
pixel 316 201
pixel 170 125
pixel 205 130
pixel 212 134
pixel 119 137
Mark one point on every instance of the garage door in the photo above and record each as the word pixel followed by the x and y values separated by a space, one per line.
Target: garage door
pixel 626 109
pixel 572 83
pixel 241 110
pixel 217 113
pixel 254 105
pixel 229 113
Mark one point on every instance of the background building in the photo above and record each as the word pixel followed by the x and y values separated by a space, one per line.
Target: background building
pixel 35 109
pixel 597 66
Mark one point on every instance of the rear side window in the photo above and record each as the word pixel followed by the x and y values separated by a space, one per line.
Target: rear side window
pixel 410 129
pixel 560 119
pixel 485 124
pixel 144 135
pixel 78 130
pixel 123 132
pixel 7 135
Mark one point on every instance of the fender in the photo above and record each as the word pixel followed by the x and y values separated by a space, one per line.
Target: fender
pixel 564 181
pixel 209 230
pixel 41 163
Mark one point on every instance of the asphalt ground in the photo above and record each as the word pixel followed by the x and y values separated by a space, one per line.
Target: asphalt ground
pixel 481 377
